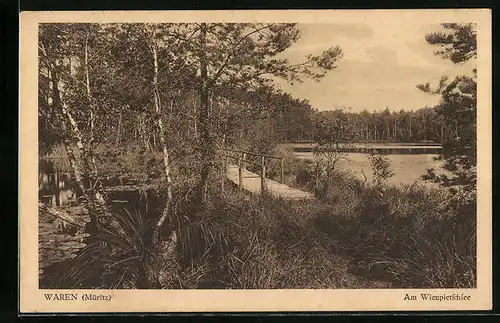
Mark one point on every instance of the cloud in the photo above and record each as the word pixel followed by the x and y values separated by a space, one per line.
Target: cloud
pixel 382 64
pixel 369 85
pixel 315 37
pixel 381 54
pixel 356 31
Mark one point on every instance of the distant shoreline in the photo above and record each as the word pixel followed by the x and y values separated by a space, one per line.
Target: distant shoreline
pixel 388 148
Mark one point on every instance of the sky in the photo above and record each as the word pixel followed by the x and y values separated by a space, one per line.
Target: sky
pixel 382 64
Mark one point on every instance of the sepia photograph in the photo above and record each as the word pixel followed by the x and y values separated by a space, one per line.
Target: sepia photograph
pixel 336 154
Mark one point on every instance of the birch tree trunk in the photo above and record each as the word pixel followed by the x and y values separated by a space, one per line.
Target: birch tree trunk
pixel 75 160
pixel 96 197
pixel 410 138
pixel 89 151
pixel 166 163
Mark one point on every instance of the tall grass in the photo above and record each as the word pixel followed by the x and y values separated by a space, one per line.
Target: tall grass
pixel 355 235
pixel 244 242
pixel 410 235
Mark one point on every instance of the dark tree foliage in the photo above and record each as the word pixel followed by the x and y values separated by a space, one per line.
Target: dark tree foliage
pixel 458 107
pixel 458 43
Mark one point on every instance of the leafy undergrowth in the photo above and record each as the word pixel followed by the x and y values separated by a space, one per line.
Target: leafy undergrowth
pixel 355 236
pixel 411 235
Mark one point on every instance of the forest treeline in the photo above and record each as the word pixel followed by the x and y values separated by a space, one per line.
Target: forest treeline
pixel 276 116
pixel 299 122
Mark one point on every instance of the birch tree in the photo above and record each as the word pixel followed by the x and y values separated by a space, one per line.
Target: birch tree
pixel 64 54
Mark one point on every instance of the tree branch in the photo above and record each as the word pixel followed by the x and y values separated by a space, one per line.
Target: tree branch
pixel 230 55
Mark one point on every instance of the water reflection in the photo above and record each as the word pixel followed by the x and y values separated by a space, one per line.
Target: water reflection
pixel 55 187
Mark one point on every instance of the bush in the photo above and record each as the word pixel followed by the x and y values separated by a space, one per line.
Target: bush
pixel 381 168
pixel 131 160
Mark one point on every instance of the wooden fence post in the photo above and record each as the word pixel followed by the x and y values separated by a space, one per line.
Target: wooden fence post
pixel 244 158
pixel 263 175
pixel 240 174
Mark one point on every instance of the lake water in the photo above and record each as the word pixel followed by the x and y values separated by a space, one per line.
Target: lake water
pixel 407 168
pixel 54 186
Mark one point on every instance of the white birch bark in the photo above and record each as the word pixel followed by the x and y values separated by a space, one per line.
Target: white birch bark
pixel 166 162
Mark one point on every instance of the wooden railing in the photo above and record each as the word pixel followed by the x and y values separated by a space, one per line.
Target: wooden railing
pixel 242 160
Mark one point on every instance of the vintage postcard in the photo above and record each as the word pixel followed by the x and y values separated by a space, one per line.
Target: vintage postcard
pixel 295 160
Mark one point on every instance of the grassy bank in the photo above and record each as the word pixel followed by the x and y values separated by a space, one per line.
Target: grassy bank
pixel 249 242
pixel 355 235
pixel 412 235
pixel 406 237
